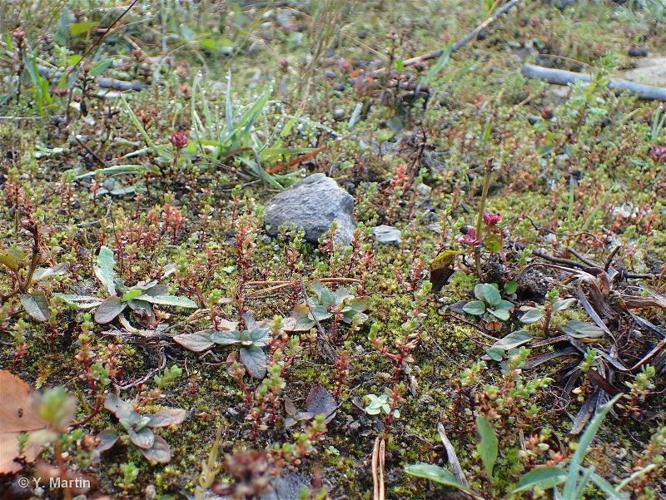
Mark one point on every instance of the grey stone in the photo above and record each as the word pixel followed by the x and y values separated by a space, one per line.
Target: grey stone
pixel 313 204
pixel 387 235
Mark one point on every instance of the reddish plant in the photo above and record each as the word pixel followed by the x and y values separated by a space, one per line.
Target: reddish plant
pixel 469 237
pixel 491 219
pixel 179 139
pixel 658 153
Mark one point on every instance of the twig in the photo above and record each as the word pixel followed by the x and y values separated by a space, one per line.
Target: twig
pixel 609 260
pixel 101 38
pixel 378 453
pixel 464 41
pixel 451 454
pixel 562 77
pixel 90 151
pixel 582 258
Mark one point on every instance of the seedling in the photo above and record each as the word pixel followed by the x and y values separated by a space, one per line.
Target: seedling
pixel 379 404
pixel 338 305
pixel 24 274
pixel 553 304
pixel 140 298
pixel 139 429
pixel 490 301
pixel 251 342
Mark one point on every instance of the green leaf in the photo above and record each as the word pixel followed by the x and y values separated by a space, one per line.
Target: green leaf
pixel 543 477
pixel 562 304
pixel 131 294
pixel 78 301
pixel 583 445
pixel 107 438
pixel 487 447
pixel 145 438
pixel 434 473
pixel 492 243
pixel 501 314
pixel 532 315
pixel 488 293
pixel 196 342
pixel 580 330
pixel 74 59
pixel 107 311
pixel 606 488
pixel 167 417
pixel 513 340
pixel 8 260
pixel 77 29
pixel 475 307
pixel 159 453
pixel 260 336
pixel 320 313
pixel 510 288
pixel 123 410
pixel 104 269
pixel 36 305
pixel 100 67
pixel 118 169
pixel 254 359
pixel 225 338
pixel 169 300
pixel 42 273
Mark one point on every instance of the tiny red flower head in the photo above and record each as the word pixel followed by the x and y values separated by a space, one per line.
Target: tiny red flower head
pixel 491 219
pixel 469 237
pixel 658 153
pixel 179 139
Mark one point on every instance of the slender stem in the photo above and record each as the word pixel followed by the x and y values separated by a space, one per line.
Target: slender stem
pixel 482 208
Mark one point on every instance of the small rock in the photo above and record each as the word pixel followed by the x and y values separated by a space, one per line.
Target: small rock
pixel 423 190
pixel 313 204
pixel 386 235
pixel 637 52
pixel 338 114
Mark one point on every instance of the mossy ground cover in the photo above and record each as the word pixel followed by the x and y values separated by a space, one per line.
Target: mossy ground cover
pixel 239 101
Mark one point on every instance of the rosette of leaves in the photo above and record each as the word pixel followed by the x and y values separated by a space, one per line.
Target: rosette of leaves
pixel 325 305
pixel 536 313
pixel 139 428
pixel 250 341
pixel 139 298
pixel 25 277
pixel 489 300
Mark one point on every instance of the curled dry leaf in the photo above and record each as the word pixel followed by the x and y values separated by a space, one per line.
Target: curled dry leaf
pixel 17 415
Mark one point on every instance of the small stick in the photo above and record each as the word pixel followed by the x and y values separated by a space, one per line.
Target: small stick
pixel 464 41
pixel 378 453
pixel 451 455
pixel 562 77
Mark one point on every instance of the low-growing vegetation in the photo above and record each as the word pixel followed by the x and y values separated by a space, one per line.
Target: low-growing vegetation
pixel 465 295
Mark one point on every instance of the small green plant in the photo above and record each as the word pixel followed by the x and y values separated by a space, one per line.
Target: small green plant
pixel 25 275
pixel 169 377
pixel 140 298
pixel 552 305
pixel 236 134
pixel 487 449
pixel 574 477
pixel 250 341
pixel 489 300
pixel 340 305
pixel 380 404
pixel 139 429
pixel 130 473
